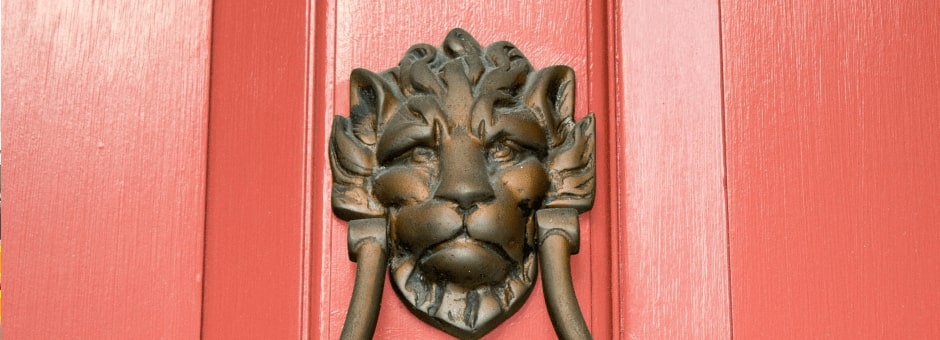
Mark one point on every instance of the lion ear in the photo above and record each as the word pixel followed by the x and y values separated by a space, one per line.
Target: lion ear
pixel 371 104
pixel 571 167
pixel 352 163
pixel 550 93
pixel 571 155
pixel 352 146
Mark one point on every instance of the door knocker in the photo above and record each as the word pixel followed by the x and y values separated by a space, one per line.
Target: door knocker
pixel 462 170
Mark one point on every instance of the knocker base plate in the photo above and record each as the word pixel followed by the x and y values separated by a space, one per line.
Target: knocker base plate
pixel 457 149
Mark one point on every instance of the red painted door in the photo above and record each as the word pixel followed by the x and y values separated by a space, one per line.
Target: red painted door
pixel 104 165
pixel 765 169
pixel 653 261
pixel 833 152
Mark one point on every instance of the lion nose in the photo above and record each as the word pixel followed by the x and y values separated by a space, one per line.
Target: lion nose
pixel 464 177
pixel 465 192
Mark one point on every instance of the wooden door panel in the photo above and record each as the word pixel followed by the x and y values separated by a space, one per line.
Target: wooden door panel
pixel 673 273
pixel 833 144
pixel 104 143
pixel 256 233
pixel 652 262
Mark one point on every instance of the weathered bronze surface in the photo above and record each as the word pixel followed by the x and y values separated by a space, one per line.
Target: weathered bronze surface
pixel 471 164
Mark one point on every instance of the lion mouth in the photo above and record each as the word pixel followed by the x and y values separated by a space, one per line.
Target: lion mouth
pixel 466 262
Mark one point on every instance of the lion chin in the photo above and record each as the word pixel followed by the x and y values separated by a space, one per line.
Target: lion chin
pixel 463 271
pixel 466 262
pixel 484 297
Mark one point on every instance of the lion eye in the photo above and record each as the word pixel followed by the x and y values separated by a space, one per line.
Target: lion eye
pixel 417 155
pixel 504 151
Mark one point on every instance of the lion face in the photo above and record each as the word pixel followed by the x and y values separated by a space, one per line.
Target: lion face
pixel 461 205
pixel 461 200
pixel 457 148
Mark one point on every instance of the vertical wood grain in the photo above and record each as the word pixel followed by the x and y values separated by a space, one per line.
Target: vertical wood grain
pixel 104 134
pixel 256 198
pixel 375 36
pixel 670 210
pixel 833 150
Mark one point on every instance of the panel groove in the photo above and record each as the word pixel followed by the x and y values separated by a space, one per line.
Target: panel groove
pixel 724 166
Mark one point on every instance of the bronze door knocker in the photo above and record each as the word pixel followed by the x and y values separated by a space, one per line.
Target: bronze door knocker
pixel 462 170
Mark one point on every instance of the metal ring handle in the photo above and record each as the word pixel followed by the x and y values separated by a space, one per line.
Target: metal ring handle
pixel 558 240
pixel 367 247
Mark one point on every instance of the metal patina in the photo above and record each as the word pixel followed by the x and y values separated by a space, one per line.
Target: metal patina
pixel 461 170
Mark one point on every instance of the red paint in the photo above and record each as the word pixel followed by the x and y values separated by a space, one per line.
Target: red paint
pixel 104 137
pixel 670 198
pixel 833 144
pixel 256 198
pixel 831 138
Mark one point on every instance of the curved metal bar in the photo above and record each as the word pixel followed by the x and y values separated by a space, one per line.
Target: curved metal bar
pixel 558 240
pixel 368 247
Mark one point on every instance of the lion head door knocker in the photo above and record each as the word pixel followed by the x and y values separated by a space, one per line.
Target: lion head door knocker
pixel 462 170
